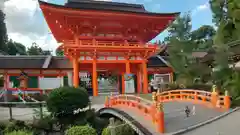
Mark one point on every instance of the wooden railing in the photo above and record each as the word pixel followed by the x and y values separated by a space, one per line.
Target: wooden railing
pixel 198 96
pixel 107 43
pixel 152 109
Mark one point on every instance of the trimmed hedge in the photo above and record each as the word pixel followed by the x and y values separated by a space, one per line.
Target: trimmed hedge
pixel 81 130
pixel 20 132
pixel 205 87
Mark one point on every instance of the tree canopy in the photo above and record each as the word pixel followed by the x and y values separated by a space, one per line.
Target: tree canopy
pixel 203 37
pixel 226 15
pixel 3 32
pixel 182 42
pixel 13 48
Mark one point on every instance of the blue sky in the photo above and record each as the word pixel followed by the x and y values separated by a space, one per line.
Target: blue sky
pixel 201 13
pixel 33 27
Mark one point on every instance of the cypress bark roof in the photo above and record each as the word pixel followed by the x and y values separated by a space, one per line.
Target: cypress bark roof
pixel 91 4
pixel 53 62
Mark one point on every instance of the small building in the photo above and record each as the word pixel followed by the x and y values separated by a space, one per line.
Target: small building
pixel 48 72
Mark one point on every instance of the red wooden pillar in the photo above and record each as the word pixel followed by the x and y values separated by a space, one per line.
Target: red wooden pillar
pixel 145 77
pixel 123 83
pixel 75 71
pixel 139 89
pixel 94 78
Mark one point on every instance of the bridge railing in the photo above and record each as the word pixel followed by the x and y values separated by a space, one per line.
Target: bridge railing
pixel 212 98
pixel 152 109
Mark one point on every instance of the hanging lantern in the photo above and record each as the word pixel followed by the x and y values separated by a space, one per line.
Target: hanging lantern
pixel 23 78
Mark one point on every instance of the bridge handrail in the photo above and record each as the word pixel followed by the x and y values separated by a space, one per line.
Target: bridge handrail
pixel 185 90
pixel 133 98
pixel 222 101
pixel 149 108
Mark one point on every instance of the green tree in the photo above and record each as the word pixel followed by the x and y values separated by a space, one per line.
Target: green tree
pixel 203 37
pixel 180 48
pixel 59 52
pixel 14 48
pixel 46 52
pixel 35 50
pixel 3 32
pixel 226 15
pixel 81 130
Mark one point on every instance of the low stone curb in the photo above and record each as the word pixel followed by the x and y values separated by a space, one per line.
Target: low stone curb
pixel 204 123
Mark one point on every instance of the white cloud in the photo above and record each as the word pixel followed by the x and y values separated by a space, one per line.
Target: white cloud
pixel 26 24
pixel 203 7
pixel 200 8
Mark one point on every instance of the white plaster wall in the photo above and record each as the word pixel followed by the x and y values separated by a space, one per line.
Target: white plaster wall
pixel 50 83
pixel 70 79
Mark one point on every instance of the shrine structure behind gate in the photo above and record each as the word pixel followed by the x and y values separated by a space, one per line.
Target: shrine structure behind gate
pixel 109 36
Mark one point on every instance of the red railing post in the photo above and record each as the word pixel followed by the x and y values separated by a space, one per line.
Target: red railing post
pixel 106 104
pixel 160 118
pixel 153 106
pixel 227 100
pixel 214 96
pixel 195 96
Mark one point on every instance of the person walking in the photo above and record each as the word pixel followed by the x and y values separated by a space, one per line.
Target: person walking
pixel 194 110
pixel 187 111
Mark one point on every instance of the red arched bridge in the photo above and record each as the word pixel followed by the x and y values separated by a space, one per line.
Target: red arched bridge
pixel 161 115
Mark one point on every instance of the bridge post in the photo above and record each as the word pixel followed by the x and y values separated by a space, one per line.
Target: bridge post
pixel 154 106
pixel 160 118
pixel 106 104
pixel 214 96
pixel 227 100
pixel 111 126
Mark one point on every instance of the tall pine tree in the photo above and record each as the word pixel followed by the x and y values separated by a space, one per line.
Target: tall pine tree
pixel 226 15
pixel 3 33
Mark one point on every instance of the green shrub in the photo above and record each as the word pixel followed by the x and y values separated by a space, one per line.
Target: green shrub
pixel 15 125
pixel 173 86
pixel 235 102
pixel 2 126
pixel 204 87
pixel 46 123
pixel 106 131
pixel 120 129
pixel 64 100
pixel 95 121
pixel 81 130
pixel 19 132
pixel 196 86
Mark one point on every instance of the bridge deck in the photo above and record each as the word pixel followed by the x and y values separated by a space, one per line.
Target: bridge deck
pixel 220 127
pixel 175 118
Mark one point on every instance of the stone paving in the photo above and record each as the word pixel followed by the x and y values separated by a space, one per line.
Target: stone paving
pixel 27 114
pixel 228 125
